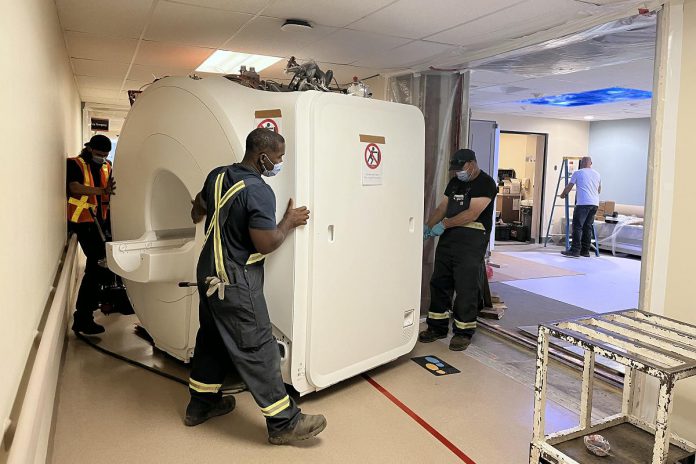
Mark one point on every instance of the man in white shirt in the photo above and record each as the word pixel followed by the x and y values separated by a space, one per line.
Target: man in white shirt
pixel 586 202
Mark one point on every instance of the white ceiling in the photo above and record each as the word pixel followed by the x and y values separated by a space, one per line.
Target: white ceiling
pixel 117 45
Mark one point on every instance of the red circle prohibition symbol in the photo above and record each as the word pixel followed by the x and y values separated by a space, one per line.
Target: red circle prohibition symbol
pixel 373 156
pixel 269 124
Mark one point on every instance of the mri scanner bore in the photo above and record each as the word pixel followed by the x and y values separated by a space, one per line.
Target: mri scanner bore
pixel 352 273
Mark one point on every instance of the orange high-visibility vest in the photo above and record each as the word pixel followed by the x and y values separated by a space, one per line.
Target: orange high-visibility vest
pixel 78 207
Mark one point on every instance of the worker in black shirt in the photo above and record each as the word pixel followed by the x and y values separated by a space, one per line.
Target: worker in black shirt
pixel 89 187
pixel 234 321
pixel 463 220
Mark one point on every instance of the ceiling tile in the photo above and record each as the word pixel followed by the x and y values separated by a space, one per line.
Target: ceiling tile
pixel 98 68
pixel 337 13
pixel 415 19
pixel 192 25
pixel 517 20
pixel 86 92
pixel 411 54
pixel 115 50
pixel 102 83
pixel 122 18
pixel 145 74
pixel 347 46
pixel 241 6
pixel 170 55
pixel 264 37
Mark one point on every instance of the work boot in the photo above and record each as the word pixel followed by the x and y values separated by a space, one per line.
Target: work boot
pixel 570 254
pixel 199 411
pixel 585 254
pixel 460 343
pixel 306 427
pixel 87 327
pixel 429 335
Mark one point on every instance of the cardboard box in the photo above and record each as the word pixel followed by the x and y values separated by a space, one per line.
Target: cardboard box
pixel 609 207
pixel 509 207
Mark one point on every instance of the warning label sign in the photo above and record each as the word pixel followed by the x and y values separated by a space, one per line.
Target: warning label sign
pixel 371 159
pixel 373 156
pixel 269 119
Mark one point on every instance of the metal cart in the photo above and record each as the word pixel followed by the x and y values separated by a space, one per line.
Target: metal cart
pixel 658 346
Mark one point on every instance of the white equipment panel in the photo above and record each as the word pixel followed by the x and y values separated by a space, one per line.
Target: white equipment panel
pixel 344 291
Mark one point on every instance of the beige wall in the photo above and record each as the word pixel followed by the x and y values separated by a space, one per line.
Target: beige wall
pixel 512 153
pixel 679 300
pixel 565 138
pixel 39 126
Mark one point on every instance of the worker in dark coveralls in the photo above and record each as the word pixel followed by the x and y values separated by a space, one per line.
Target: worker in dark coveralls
pixel 463 220
pixel 234 322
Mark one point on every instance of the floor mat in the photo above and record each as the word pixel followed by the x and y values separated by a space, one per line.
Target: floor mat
pixel 516 268
pixel 527 308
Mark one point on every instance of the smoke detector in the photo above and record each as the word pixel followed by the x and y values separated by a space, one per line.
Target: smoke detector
pixel 295 25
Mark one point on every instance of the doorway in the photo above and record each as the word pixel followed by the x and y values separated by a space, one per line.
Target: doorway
pixel 521 179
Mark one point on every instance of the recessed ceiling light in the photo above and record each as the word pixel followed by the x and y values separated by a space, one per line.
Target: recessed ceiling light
pixel 589 118
pixel 226 62
pixel 295 25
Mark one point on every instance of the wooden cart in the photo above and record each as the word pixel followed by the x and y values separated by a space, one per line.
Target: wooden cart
pixel 658 346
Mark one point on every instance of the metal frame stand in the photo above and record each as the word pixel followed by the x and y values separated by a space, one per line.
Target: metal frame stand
pixel 564 173
pixel 657 346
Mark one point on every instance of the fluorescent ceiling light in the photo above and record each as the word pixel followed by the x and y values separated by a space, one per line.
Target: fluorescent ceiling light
pixel 592 97
pixel 225 62
pixel 589 118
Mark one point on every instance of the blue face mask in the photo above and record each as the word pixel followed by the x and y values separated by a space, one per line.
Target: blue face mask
pixel 273 172
pixel 464 176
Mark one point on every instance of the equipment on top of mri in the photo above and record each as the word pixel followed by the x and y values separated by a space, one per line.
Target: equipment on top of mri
pixel 343 292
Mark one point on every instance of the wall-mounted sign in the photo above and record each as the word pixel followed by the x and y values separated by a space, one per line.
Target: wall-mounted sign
pixel 100 124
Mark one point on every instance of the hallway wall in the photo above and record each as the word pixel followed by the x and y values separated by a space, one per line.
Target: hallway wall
pixel 40 125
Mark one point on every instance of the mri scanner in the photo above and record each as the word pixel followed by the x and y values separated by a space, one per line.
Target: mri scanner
pixel 344 291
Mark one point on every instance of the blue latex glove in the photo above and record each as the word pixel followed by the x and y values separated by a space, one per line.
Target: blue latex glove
pixel 438 229
pixel 427 232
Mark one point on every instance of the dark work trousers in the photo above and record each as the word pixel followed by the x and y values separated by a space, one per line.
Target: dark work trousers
pixel 583 219
pixel 458 268
pixel 238 329
pixel 90 294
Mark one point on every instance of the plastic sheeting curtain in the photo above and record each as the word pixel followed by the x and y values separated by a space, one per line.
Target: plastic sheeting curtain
pixel 440 96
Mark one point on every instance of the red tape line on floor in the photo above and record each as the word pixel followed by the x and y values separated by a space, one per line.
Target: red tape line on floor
pixel 448 444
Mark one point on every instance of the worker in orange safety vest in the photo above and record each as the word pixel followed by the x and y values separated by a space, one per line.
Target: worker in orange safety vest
pixel 89 188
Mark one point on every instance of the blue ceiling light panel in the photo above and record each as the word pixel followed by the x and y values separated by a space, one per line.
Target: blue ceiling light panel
pixel 592 97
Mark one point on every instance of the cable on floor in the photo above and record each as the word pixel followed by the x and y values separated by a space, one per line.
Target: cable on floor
pixel 146 367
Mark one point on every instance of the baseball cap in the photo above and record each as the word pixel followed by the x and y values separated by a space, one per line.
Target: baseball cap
pixel 460 157
pixel 99 142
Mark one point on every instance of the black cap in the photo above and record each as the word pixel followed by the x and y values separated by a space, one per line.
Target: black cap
pixel 460 157
pixel 99 142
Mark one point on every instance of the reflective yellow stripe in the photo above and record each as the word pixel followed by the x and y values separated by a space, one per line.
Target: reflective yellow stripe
pixel 255 258
pixel 201 387
pixel 86 172
pixel 80 205
pixel 217 248
pixel 465 325
pixel 444 315
pixel 475 225
pixel 277 407
pixel 234 189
